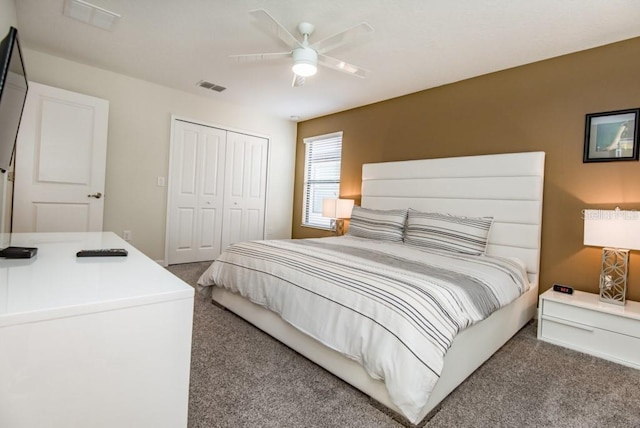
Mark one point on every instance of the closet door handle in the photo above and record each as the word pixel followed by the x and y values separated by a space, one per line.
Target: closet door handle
pixel 95 195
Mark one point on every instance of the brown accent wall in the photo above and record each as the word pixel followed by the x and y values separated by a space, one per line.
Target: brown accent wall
pixel 536 107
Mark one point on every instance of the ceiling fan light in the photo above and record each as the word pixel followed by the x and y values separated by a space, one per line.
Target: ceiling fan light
pixel 304 69
pixel 304 62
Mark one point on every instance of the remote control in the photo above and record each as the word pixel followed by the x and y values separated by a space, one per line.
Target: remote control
pixel 103 252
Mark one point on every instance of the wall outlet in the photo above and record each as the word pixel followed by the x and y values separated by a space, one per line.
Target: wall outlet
pixel 126 235
pixel 161 181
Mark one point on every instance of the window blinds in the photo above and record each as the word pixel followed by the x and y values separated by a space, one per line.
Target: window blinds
pixel 321 176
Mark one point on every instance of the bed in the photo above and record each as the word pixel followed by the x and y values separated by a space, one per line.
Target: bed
pixel 506 187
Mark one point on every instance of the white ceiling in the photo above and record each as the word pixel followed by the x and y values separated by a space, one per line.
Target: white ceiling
pixel 417 44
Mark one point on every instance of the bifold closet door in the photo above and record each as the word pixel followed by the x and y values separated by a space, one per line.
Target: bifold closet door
pixel 196 186
pixel 245 183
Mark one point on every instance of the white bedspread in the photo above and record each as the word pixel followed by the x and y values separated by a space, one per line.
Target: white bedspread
pixel 394 308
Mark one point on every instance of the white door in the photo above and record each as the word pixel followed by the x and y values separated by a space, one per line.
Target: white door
pixel 245 182
pixel 217 191
pixel 60 162
pixel 196 192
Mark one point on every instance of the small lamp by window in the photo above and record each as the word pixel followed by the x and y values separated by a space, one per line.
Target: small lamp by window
pixel 337 210
pixel 618 232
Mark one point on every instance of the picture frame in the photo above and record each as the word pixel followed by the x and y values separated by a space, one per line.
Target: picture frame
pixel 611 136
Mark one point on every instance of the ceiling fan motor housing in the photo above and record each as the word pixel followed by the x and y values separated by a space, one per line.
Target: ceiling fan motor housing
pixel 305 61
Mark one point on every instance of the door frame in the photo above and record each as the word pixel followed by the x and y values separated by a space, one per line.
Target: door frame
pixel 176 118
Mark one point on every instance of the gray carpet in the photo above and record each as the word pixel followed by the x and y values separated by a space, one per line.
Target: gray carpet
pixel 241 377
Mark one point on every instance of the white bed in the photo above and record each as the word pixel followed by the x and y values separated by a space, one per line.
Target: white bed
pixel 507 187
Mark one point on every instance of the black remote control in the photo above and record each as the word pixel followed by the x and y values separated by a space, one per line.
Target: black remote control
pixel 103 252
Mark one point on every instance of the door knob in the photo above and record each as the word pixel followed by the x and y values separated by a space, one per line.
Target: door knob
pixel 95 195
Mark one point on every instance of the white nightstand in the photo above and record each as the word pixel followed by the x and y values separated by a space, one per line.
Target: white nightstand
pixel 583 323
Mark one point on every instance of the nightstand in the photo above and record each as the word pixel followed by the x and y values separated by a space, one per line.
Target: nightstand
pixel 583 323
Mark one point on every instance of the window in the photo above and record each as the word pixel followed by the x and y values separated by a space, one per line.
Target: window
pixel 321 176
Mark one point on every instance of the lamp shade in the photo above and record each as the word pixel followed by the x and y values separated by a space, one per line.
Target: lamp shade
pixel 612 228
pixel 337 208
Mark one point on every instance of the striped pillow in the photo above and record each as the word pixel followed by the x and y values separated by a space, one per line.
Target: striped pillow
pixel 466 235
pixel 384 225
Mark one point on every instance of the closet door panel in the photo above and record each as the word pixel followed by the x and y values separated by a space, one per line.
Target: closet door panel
pixel 257 172
pixel 210 232
pixel 212 154
pixel 236 168
pixel 255 219
pixel 187 157
pixel 213 163
pixel 196 193
pixel 234 226
pixel 185 227
pixel 245 188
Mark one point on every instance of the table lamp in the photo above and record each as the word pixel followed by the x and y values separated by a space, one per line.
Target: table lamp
pixel 618 231
pixel 337 210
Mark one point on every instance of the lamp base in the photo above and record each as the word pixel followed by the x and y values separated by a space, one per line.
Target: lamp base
pixel 613 276
pixel 337 226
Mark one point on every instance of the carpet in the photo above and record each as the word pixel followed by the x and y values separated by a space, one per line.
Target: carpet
pixel 242 377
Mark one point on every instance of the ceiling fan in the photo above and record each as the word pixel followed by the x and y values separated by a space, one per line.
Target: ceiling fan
pixel 306 57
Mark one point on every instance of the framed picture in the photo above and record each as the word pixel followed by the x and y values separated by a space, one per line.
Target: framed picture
pixel 611 136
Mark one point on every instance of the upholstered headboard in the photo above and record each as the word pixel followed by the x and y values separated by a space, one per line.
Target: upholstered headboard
pixel 507 187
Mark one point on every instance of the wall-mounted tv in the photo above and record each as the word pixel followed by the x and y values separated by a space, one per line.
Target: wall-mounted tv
pixel 13 92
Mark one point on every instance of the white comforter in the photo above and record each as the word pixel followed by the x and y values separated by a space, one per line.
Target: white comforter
pixel 394 308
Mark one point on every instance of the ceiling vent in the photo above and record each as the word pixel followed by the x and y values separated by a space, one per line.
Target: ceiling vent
pixel 91 14
pixel 209 85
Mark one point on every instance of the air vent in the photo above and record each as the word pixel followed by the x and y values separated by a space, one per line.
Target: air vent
pixel 212 86
pixel 91 14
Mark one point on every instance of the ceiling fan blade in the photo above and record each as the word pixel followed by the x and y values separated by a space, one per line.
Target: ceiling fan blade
pixel 342 38
pixel 340 65
pixel 269 23
pixel 251 58
pixel 298 80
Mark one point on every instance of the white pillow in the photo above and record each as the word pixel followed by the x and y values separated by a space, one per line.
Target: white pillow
pixel 466 235
pixel 384 225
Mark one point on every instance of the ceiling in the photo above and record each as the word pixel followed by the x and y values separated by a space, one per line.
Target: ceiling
pixel 416 44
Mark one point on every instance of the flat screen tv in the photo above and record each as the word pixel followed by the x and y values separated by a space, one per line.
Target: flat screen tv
pixel 13 93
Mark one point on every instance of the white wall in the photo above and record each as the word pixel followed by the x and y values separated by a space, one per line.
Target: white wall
pixel 7 16
pixel 138 145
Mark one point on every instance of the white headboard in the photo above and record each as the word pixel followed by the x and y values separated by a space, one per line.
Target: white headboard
pixel 507 187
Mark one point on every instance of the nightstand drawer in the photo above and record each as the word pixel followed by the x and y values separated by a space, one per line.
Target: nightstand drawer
pixel 591 318
pixel 612 346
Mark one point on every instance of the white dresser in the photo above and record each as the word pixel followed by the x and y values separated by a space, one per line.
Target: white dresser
pixel 583 323
pixel 92 342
